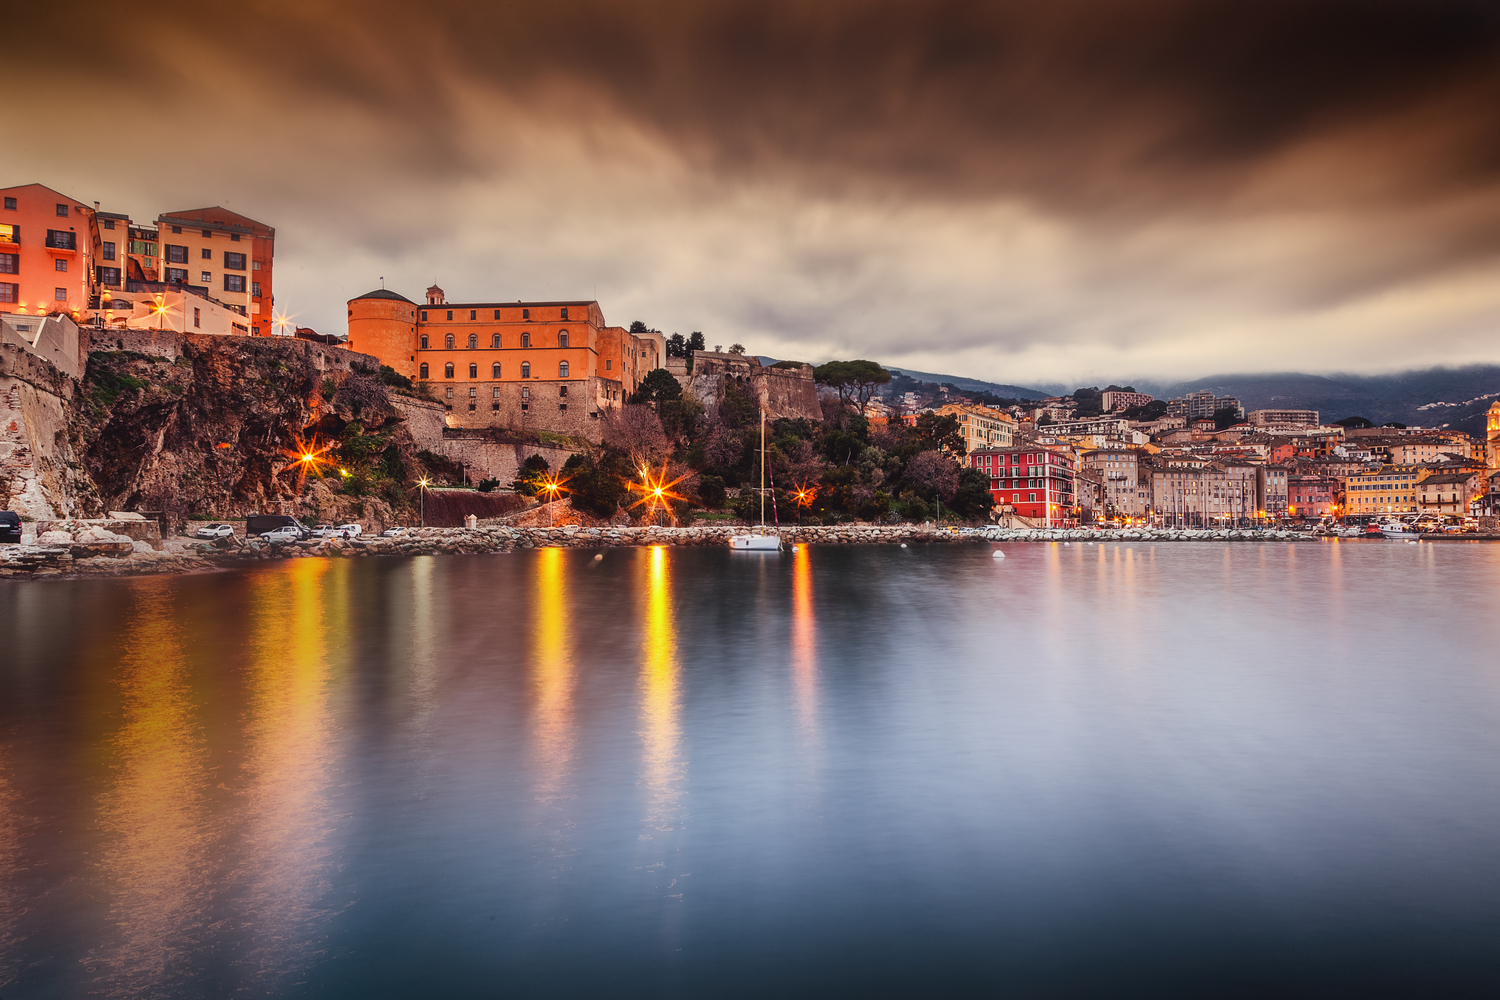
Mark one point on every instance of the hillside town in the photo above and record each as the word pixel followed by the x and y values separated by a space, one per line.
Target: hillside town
pixel 498 396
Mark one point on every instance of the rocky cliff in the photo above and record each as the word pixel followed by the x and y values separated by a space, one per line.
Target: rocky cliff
pixel 183 424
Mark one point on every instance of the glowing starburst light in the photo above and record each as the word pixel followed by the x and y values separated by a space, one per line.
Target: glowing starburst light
pixel 656 491
pixel 309 456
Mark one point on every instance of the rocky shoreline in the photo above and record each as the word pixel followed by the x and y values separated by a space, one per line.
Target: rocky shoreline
pixel 96 551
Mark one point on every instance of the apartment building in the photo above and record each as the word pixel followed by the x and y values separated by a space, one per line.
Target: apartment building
pixel 981 426
pixel 1114 402
pixel 1283 419
pixel 1122 492
pixel 1449 492
pixel 47 251
pixel 1036 483
pixel 1311 495
pixel 1207 495
pixel 553 366
pixel 1390 489
pixel 229 254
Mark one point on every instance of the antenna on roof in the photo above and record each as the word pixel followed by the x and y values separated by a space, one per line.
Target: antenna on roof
pixel 382 282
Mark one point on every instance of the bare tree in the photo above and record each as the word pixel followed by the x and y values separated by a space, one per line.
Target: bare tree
pixel 636 430
pixel 934 471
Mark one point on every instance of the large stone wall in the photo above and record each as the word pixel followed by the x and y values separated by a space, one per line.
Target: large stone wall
pixel 482 456
pixel 169 344
pixel 579 414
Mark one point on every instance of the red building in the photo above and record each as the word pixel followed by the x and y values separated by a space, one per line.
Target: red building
pixel 1036 483
pixel 1311 496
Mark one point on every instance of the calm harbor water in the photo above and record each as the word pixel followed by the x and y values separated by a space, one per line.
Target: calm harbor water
pixel 1174 770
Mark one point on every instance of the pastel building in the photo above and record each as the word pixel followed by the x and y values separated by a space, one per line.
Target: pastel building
pixel 1037 483
pixel 47 251
pixel 554 366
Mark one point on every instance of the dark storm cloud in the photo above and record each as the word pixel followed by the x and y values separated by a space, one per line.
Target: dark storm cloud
pixel 1088 105
pixel 1122 185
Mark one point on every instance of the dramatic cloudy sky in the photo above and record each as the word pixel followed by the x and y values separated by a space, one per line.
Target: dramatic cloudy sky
pixel 1024 192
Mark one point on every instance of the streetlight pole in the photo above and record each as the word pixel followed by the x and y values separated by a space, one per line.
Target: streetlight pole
pixel 422 503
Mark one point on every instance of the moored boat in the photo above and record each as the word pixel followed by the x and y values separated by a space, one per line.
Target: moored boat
pixel 753 541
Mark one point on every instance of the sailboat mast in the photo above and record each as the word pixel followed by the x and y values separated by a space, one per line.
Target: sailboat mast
pixel 763 469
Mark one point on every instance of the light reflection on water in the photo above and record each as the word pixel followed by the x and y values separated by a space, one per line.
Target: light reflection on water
pixel 837 770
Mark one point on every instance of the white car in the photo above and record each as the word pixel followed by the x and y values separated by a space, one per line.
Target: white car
pixel 285 533
pixel 393 532
pixel 216 531
pixel 347 531
pixel 324 531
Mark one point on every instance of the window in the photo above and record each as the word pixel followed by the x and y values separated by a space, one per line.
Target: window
pixel 109 276
pixel 424 371
pixel 497 316
pixel 234 282
pixel 10 203
pixel 562 391
pixel 10 263
pixel 495 371
pixel 564 312
pixel 562 369
pixel 473 406
pixel 9 290
pixel 448 341
pixel 424 315
pixel 59 239
pixel 255 265
pixel 562 339
pixel 525 340
pixel 448 370
pixel 176 254
pixel 109 223
pixel 424 341
pixel 496 393
pixel 473 314
pixel 255 289
pixel 473 341
pixel 450 316
pixel 495 341
pixel 234 237
pixel 59 265
pixel 177 274
pixel 60 294
pixel 234 261
pixel 207 277
pixel 62 211
pixel 473 371
pixel 525 392
pixel 449 393
pixel 206 254
pixel 608 364
pixel 525 313
pixel 473 391
pixel 526 369
pixel 196 317
pixel 109 251
pixel 1031 498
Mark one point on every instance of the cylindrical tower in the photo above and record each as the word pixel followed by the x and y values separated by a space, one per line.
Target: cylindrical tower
pixel 384 324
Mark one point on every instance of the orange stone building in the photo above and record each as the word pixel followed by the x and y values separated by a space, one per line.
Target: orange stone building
pixel 48 248
pixel 554 366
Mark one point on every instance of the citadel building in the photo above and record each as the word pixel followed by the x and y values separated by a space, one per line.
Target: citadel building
pixel 554 366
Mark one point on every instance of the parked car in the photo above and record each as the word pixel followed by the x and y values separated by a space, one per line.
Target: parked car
pixel 393 532
pixel 259 524
pixel 348 531
pixel 285 533
pixel 215 530
pixel 323 531
pixel 10 526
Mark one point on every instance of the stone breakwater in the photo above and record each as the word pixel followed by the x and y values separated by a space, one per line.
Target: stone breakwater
pixel 1139 535
pixel 96 551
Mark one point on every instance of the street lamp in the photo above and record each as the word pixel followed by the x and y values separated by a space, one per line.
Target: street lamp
pixel 421 502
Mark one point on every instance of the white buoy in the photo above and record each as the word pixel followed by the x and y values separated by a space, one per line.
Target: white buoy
pixel 599 557
pixel 903 545
pixel 1412 542
pixel 998 554
pixel 794 548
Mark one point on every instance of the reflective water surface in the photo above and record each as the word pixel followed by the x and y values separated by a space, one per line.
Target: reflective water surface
pixel 1174 770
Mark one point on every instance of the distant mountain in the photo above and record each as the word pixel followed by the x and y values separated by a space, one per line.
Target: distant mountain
pixel 975 385
pixel 1433 397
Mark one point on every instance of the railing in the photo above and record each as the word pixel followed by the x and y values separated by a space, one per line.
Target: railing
pixel 61 241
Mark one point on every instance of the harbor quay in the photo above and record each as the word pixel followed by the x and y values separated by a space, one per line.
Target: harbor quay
pixel 96 551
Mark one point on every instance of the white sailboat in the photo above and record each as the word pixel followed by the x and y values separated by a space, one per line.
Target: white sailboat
pixel 762 542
